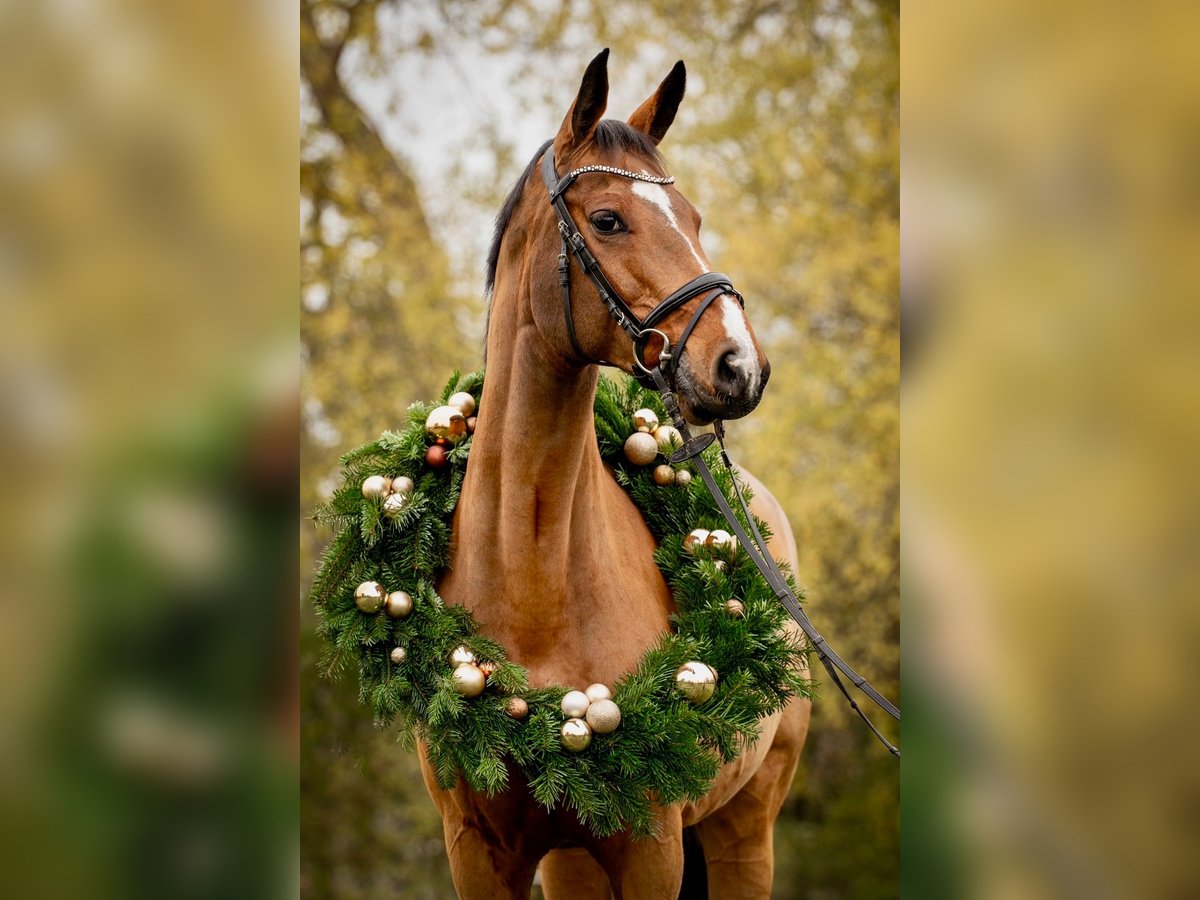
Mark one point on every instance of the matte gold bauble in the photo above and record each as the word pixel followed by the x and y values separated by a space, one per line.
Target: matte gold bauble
pixel 598 692
pixel 399 655
pixel 402 484
pixel 667 437
pixel 695 540
pixel 399 604
pixel 683 478
pixel 516 708
pixel 368 597
pixel 463 402
pixel 645 420
pixel 641 448
pixel 468 680
pixel 696 681
pixel 735 608
pixel 394 504
pixel 603 716
pixel 664 475
pixel 575 704
pixel 461 656
pixel 435 456
pixel 376 487
pixel 720 541
pixel 447 423
pixel 576 735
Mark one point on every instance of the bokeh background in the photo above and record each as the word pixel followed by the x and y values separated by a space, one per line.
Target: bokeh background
pixel 417 117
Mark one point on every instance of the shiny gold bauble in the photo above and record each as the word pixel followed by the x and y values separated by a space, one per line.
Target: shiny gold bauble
pixel 576 735
pixel 402 484
pixel 376 487
pixel 645 420
pixel 461 656
pixel 598 692
pixel 695 540
pixel 368 597
pixel 603 716
pixel 448 423
pixel 435 456
pixel 720 541
pixel 394 504
pixel 399 655
pixel 664 475
pixel 463 402
pixel 735 608
pixel 575 704
pixel 641 448
pixel 399 604
pixel 516 707
pixel 667 437
pixel 696 681
pixel 683 478
pixel 468 680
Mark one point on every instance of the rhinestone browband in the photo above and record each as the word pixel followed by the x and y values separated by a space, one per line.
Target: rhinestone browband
pixel 613 170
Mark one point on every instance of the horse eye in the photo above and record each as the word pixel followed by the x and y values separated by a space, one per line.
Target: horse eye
pixel 607 222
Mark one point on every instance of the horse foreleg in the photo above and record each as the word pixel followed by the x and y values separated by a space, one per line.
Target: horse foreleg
pixel 573 874
pixel 738 838
pixel 646 868
pixel 480 870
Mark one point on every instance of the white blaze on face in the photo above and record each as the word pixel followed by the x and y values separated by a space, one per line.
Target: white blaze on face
pixel 657 194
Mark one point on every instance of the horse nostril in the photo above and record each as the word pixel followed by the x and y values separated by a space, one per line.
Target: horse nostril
pixel 730 376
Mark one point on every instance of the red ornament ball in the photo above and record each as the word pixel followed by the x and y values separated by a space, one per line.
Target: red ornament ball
pixel 436 456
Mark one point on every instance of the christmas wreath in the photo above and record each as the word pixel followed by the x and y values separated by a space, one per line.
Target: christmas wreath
pixel 659 734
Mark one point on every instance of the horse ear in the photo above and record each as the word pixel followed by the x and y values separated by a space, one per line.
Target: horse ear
pixel 655 116
pixel 585 112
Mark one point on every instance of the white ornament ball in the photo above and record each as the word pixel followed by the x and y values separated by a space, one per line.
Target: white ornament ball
pixel 463 402
pixel 683 478
pixel 604 716
pixel 394 504
pixel 598 692
pixel 368 597
pixel 399 604
pixel 399 655
pixel 720 541
pixel 448 423
pixel 575 704
pixel 402 484
pixel 695 540
pixel 576 735
pixel 645 420
pixel 667 437
pixel 641 448
pixel 461 656
pixel 376 487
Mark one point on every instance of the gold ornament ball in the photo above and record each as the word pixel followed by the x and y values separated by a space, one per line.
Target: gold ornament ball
pixel 645 420
pixel 368 597
pixel 469 680
pixel 603 716
pixel 575 704
pixel 735 608
pixel 447 423
pixel 394 504
pixel 399 655
pixel 696 681
pixel 463 402
pixel 402 484
pixel 667 437
pixel 695 540
pixel 598 692
pixel 399 604
pixel 376 487
pixel 461 656
pixel 576 735
pixel 683 478
pixel 641 448
pixel 720 541
pixel 664 475
pixel 516 708
pixel 435 456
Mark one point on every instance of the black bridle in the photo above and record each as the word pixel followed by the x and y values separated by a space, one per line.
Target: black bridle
pixel 659 375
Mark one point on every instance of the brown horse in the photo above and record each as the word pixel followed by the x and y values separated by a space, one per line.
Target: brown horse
pixel 552 557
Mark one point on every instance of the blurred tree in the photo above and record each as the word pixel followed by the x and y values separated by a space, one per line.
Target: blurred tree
pixel 788 142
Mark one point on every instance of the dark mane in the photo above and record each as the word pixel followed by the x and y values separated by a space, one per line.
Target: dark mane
pixel 612 135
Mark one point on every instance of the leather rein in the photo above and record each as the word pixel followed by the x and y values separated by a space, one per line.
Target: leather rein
pixel 659 376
